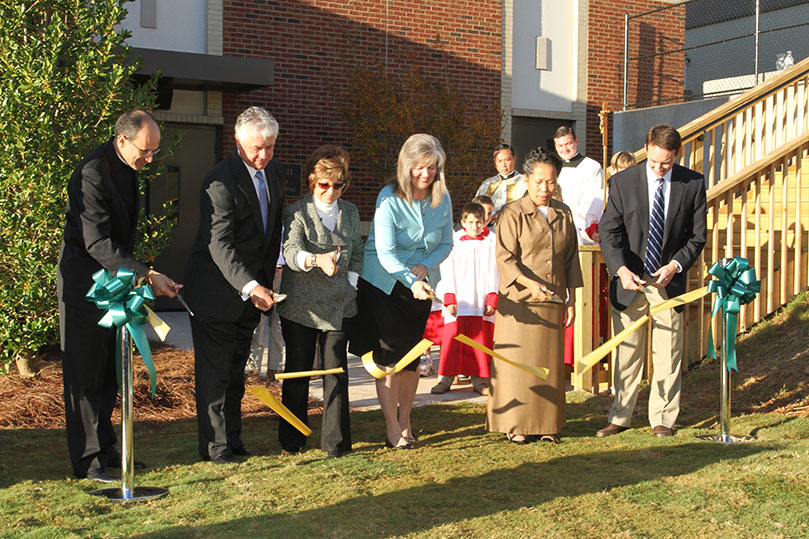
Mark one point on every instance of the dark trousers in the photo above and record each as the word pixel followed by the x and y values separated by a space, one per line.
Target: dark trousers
pixel 221 350
pixel 90 389
pixel 300 342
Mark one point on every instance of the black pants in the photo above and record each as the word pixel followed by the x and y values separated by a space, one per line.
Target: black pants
pixel 300 343
pixel 90 389
pixel 221 350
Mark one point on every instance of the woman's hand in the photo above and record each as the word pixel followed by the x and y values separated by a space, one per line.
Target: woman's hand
pixel 419 270
pixel 327 262
pixel 539 291
pixel 421 290
pixel 570 315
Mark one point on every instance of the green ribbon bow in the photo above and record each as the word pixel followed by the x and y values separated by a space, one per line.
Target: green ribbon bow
pixel 735 285
pixel 124 306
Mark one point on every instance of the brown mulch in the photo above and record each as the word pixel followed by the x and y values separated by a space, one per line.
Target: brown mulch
pixel 37 403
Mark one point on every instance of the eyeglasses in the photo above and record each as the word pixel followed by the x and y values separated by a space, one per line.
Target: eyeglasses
pixel 326 185
pixel 144 153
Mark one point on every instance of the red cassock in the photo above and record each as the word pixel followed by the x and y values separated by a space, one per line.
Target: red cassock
pixel 469 280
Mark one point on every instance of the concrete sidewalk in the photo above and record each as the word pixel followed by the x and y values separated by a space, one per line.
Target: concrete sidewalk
pixel 362 391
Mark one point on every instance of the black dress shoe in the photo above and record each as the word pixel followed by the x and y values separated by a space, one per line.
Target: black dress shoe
pixel 138 465
pixel 610 429
pixel 242 452
pixel 337 453
pixel 225 457
pixel 103 475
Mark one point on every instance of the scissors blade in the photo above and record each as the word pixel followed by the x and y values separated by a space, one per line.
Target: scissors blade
pixel 278 298
pixel 184 304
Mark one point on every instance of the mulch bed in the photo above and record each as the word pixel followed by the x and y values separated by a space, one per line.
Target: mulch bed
pixel 38 403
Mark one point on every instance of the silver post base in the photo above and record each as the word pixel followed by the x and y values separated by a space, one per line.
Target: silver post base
pixel 725 438
pixel 130 495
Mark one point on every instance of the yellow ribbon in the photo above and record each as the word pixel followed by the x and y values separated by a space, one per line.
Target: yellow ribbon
pixel 263 394
pixel 161 328
pixel 407 359
pixel 304 374
pixel 595 356
pixel 541 372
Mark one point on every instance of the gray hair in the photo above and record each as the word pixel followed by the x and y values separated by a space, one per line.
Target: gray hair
pixel 257 120
pixel 131 122
pixel 417 149
pixel 541 155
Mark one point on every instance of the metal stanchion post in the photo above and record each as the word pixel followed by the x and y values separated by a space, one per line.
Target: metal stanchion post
pixel 725 436
pixel 128 492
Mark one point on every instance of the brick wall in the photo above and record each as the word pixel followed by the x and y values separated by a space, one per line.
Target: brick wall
pixel 653 80
pixel 313 43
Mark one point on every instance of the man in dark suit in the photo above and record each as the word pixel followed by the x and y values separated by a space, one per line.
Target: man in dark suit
pixel 230 272
pixel 652 231
pixel 100 229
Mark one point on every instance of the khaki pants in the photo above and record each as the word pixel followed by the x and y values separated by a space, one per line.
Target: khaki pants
pixel 667 353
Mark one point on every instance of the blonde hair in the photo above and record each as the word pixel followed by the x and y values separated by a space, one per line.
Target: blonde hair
pixel 621 160
pixel 420 148
pixel 328 162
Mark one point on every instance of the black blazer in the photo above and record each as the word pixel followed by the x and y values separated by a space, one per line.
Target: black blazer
pixel 231 247
pixel 100 224
pixel 624 227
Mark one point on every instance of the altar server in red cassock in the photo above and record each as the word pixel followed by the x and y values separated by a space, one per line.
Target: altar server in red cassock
pixel 468 289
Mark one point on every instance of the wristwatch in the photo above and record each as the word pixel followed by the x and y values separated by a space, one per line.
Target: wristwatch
pixel 311 261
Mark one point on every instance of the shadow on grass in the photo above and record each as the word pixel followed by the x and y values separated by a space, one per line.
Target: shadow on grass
pixel 411 510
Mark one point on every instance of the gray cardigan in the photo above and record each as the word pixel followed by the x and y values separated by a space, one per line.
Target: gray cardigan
pixel 315 300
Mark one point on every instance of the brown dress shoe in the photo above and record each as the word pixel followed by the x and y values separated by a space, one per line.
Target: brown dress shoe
pixel 660 431
pixel 610 429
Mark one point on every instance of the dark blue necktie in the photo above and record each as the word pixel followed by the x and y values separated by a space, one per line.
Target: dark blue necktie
pixel 657 222
pixel 262 197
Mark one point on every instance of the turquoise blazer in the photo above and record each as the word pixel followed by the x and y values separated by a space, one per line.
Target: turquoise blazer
pixel 404 235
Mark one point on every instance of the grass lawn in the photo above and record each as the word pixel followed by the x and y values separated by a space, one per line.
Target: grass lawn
pixel 461 480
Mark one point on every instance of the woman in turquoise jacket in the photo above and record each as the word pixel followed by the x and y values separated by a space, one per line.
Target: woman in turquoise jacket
pixel 410 236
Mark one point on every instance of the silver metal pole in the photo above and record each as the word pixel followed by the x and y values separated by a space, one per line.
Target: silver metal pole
pixel 626 55
pixel 128 492
pixel 725 436
pixel 758 15
pixel 127 455
pixel 724 383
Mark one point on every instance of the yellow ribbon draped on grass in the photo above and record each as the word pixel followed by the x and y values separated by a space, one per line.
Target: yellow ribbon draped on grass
pixel 263 394
pixel 304 374
pixel 595 356
pixel 541 372
pixel 412 355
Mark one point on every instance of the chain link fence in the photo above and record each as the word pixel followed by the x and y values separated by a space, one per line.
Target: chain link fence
pixel 707 48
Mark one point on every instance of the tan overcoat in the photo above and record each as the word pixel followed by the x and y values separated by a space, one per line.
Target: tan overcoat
pixel 527 331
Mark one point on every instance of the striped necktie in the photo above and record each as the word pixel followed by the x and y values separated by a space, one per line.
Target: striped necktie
pixel 657 221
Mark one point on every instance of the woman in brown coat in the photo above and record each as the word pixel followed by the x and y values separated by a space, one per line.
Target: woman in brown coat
pixel 537 258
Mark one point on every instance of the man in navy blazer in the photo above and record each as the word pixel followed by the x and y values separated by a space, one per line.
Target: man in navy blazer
pixel 229 277
pixel 652 231
pixel 100 232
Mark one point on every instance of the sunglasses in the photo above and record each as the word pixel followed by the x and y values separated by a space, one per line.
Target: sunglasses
pixel 326 185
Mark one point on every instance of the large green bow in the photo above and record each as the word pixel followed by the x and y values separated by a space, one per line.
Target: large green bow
pixel 124 306
pixel 735 285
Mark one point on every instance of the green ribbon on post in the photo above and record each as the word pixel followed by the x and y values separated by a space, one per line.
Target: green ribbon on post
pixel 124 305
pixel 735 285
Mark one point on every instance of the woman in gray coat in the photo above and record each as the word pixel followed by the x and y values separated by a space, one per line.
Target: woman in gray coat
pixel 323 253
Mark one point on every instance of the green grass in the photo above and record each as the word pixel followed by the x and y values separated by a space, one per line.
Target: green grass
pixel 461 481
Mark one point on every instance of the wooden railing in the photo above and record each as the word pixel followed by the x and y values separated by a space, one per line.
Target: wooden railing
pixel 754 153
pixel 748 127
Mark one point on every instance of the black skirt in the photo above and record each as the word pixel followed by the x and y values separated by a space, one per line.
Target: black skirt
pixel 387 324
